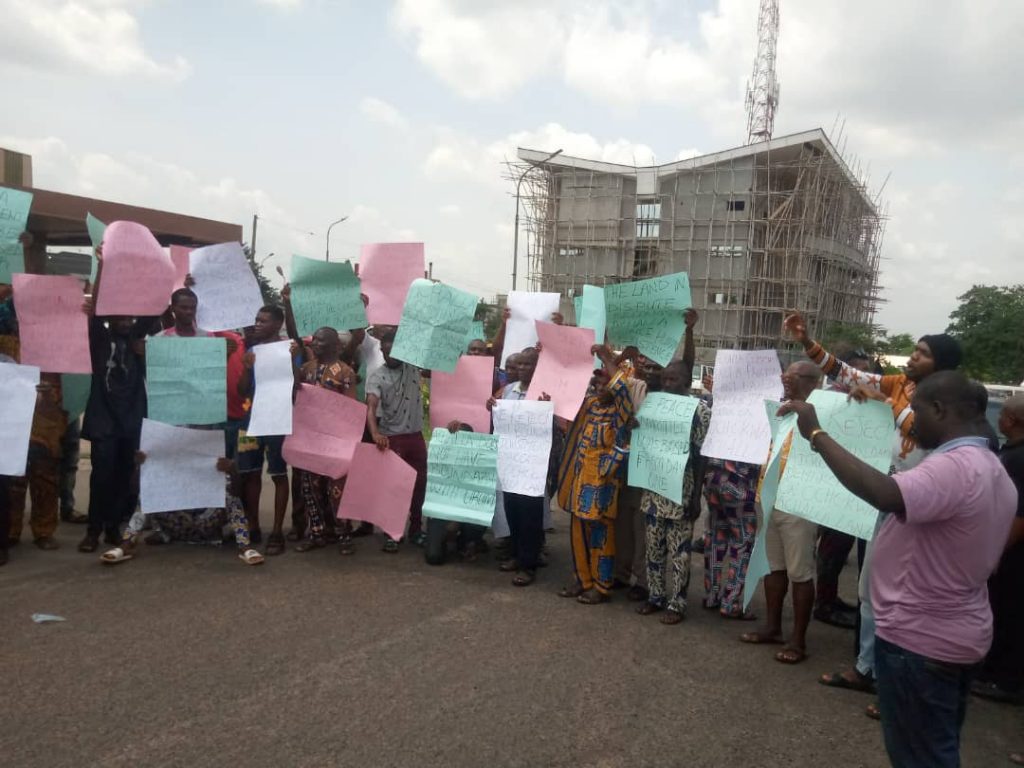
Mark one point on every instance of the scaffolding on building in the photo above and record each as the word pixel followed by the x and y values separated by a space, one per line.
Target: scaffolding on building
pixel 759 233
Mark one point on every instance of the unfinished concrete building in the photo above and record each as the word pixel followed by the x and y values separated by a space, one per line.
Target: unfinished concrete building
pixel 780 224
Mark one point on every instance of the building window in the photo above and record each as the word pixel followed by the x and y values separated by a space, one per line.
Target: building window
pixel 648 219
pixel 736 205
pixel 727 251
pixel 570 252
pixel 644 262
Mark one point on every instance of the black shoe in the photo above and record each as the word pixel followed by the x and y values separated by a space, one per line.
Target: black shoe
pixel 841 619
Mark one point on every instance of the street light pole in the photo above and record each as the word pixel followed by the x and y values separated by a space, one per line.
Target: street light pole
pixel 515 236
pixel 328 254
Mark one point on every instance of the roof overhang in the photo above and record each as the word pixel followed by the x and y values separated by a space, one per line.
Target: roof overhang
pixel 784 145
pixel 60 219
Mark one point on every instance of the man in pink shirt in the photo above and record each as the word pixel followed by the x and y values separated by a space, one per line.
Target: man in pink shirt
pixel 947 522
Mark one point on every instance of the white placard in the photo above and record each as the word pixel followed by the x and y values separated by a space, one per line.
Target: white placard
pixel 18 405
pixel 272 401
pixel 739 429
pixel 229 296
pixel 523 428
pixel 180 470
pixel 525 309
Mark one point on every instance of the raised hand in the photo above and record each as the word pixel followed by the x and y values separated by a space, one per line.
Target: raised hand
pixel 796 327
pixel 806 416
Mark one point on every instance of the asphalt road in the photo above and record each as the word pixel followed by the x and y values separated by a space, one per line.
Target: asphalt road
pixel 187 657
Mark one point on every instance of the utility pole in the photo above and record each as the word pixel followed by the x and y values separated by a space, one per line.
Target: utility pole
pixel 327 253
pixel 252 242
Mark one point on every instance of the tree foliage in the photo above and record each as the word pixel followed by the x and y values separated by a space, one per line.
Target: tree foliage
pixel 271 295
pixel 990 326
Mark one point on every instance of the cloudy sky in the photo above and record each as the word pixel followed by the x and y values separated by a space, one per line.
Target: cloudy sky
pixel 400 113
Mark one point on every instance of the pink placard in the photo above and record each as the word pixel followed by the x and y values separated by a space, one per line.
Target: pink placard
pixel 326 428
pixel 378 490
pixel 53 328
pixel 463 394
pixel 137 277
pixel 386 270
pixel 565 367
pixel 179 256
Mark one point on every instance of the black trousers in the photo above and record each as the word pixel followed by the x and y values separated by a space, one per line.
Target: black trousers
pixel 112 487
pixel 1004 664
pixel 525 515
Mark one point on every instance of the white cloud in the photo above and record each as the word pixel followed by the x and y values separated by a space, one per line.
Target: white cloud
pixel 482 50
pixel 285 5
pixel 382 112
pixel 96 36
pixel 450 210
pixel 457 155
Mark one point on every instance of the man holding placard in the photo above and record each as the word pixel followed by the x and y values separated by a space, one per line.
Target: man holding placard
pixel 252 451
pixel 945 527
pixel 394 417
pixel 589 479
pixel 789 544
pixel 669 522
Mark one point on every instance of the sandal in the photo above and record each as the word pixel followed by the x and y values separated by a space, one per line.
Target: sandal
pixel 346 546
pixel 859 682
pixel 507 566
pixel 310 544
pixel 637 594
pixel 648 608
pixel 524 578
pixel 760 638
pixel 251 557
pixel 672 616
pixel 790 655
pixel 1016 758
pixel 572 590
pixel 873 712
pixel 296 534
pixel 391 547
pixel 115 556
pixel 275 544
pixel 593 597
pixel 89 544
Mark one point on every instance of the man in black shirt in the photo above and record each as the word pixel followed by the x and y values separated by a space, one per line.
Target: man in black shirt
pixel 1002 674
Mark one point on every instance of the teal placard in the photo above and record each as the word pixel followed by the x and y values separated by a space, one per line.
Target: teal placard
pixel 660 447
pixel 808 487
pixel 758 568
pixel 592 314
pixel 14 208
pixel 648 314
pixel 325 295
pixel 74 389
pixel 186 380
pixel 96 231
pixel 434 324
pixel 462 477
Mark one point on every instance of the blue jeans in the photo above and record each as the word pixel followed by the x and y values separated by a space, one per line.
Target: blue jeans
pixel 866 644
pixel 923 704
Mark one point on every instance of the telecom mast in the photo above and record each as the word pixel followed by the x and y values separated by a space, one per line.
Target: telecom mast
pixel 763 88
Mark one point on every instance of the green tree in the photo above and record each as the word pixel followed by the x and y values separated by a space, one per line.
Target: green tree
pixel 989 324
pixel 270 294
pixel 898 344
pixel 850 336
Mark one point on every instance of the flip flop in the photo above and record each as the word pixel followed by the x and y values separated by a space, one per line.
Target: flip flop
pixel 251 557
pixel 791 656
pixel 863 683
pixel 115 556
pixel 672 617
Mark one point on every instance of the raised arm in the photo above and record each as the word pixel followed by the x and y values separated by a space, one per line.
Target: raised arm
pixel 689 347
pixel 289 317
pixel 833 367
pixel 498 346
